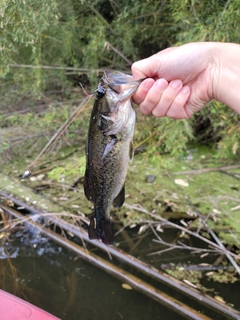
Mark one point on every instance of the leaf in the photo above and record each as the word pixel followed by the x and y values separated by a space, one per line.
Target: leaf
pixel 181 182
pixel 126 286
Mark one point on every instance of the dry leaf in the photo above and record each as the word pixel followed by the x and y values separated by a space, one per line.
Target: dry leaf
pixel 181 182
pixel 126 286
pixel 189 283
pixel 219 299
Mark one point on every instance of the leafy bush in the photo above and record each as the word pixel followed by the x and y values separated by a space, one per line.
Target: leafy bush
pixel 72 38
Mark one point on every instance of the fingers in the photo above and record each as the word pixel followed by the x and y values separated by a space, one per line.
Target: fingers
pixel 150 94
pixel 163 99
pixel 143 90
pixel 178 109
pixel 167 98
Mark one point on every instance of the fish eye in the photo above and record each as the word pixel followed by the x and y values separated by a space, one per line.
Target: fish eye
pixel 100 91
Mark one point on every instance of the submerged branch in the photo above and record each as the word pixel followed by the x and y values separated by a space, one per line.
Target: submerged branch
pixel 139 208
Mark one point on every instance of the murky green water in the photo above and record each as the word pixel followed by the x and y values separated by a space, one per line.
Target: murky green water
pixel 54 279
pixel 49 276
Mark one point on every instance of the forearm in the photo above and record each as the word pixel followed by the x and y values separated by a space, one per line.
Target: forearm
pixel 226 84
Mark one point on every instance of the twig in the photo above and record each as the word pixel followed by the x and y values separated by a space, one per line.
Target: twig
pixel 59 132
pixel 205 170
pixel 209 230
pixel 182 247
pixel 174 246
pixel 114 5
pixel 108 45
pixel 221 18
pixel 166 222
pixel 97 71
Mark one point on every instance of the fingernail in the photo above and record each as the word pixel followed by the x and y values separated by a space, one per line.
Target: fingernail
pixel 185 90
pixel 147 84
pixel 161 84
pixel 175 84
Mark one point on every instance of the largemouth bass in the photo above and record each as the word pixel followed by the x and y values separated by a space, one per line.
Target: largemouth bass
pixel 109 149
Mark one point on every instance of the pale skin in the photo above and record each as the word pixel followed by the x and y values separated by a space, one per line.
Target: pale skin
pixel 181 80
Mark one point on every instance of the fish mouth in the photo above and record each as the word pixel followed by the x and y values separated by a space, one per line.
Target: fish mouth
pixel 116 80
pixel 113 77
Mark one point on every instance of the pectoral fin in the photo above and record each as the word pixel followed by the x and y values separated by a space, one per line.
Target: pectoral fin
pixel 109 146
pixel 120 198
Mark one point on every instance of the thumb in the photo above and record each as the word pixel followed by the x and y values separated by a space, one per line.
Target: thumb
pixel 145 68
pixel 159 65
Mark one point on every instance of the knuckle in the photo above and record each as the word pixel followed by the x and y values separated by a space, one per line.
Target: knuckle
pixel 145 109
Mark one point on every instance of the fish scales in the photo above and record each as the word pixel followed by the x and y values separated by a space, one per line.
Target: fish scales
pixel 109 149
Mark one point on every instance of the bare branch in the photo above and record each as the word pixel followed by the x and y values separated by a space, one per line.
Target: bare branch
pixel 206 170
pixel 139 208
pixel 83 70
pixel 108 46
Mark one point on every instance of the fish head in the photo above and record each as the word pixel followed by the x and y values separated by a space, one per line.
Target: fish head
pixel 121 83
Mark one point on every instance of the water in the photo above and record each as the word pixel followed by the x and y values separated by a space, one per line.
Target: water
pixel 57 281
pixel 40 271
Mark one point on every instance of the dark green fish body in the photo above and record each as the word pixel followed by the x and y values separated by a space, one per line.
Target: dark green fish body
pixel 109 149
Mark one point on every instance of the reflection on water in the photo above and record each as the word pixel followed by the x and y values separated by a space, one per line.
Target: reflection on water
pixel 41 272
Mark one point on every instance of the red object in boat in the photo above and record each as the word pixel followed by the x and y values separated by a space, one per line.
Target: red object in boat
pixel 14 308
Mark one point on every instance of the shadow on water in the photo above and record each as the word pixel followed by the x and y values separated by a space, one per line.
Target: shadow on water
pixel 49 276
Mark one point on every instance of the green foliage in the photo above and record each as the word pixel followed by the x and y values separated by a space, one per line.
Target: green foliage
pixel 162 135
pixel 92 35
pixel 70 171
pixel 4 146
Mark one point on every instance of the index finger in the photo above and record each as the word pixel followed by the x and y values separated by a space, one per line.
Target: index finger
pixel 142 90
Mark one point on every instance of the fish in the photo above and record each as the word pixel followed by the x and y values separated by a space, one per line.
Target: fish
pixel 109 149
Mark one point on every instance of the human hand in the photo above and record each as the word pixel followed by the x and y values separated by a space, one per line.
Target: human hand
pixel 180 80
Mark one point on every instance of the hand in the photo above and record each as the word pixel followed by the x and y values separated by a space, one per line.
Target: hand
pixel 180 82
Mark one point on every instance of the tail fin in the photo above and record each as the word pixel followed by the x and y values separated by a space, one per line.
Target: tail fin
pixel 101 230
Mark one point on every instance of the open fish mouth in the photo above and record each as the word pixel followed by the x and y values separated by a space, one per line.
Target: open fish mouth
pixel 121 83
pixel 112 77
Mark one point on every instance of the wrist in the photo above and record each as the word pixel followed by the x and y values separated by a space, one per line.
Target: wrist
pixel 226 75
